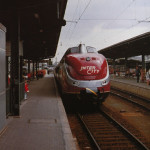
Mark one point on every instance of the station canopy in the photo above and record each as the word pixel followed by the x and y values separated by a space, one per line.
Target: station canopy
pixel 139 45
pixel 40 23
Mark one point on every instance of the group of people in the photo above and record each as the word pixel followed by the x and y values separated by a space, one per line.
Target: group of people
pixel 139 73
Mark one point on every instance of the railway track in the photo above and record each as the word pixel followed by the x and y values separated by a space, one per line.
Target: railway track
pixel 107 133
pixel 80 136
pixel 135 99
pixel 104 131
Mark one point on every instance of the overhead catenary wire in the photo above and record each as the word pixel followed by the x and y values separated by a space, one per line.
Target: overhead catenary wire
pixel 115 19
pixel 85 9
pixel 75 22
pixel 122 12
pixel 112 19
pixel 79 20
pixel 138 22
pixel 72 20
pixel 106 19
pixel 125 9
pixel 133 25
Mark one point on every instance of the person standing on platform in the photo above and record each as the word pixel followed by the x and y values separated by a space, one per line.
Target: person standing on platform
pixel 147 77
pixel 114 71
pixel 138 73
pixel 29 77
pixel 26 90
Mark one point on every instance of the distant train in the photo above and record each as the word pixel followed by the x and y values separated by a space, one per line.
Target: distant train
pixel 83 72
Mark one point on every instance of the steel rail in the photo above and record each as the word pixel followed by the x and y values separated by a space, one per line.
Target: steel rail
pixel 131 100
pixel 127 133
pixel 95 144
pixel 132 94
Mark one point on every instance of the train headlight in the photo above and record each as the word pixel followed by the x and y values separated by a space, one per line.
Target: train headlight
pixel 76 83
pixel 104 82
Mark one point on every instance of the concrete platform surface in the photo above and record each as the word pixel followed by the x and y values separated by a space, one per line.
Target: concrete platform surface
pixel 131 85
pixel 42 124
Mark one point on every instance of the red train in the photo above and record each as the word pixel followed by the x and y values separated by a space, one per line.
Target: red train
pixel 83 72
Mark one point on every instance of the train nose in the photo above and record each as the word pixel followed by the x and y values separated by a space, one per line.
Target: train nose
pixel 86 67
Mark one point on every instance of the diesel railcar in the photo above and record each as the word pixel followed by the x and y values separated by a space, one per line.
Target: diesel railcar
pixel 84 72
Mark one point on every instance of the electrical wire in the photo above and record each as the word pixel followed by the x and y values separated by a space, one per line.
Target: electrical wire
pixel 121 12
pixel 72 20
pixel 79 20
pixel 142 21
pixel 113 20
pixel 85 9
pixel 106 19
pixel 116 18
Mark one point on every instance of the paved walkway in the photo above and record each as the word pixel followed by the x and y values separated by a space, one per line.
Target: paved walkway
pixel 42 124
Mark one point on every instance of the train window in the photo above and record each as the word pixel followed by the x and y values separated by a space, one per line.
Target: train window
pixel 72 50
pixel 75 50
pixel 91 49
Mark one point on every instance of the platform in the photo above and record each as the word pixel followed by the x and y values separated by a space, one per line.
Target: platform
pixel 42 124
pixel 131 85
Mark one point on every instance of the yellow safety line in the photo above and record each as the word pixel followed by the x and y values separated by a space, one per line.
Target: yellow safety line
pixel 91 91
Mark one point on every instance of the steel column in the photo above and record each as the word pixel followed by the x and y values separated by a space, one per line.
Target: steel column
pixel 28 65
pixel 8 99
pixel 143 61
pixel 126 64
pixel 6 71
pixel 15 67
pixel 21 70
pixel 33 69
pixel 50 61
pixel 38 66
pixel 37 70
pixel 114 63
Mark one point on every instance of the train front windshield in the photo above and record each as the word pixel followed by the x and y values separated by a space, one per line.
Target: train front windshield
pixel 81 49
pixel 91 49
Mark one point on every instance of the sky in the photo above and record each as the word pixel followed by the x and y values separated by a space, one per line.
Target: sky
pixel 102 23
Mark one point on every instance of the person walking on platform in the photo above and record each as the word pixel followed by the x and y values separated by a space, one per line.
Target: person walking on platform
pixel 26 90
pixel 138 73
